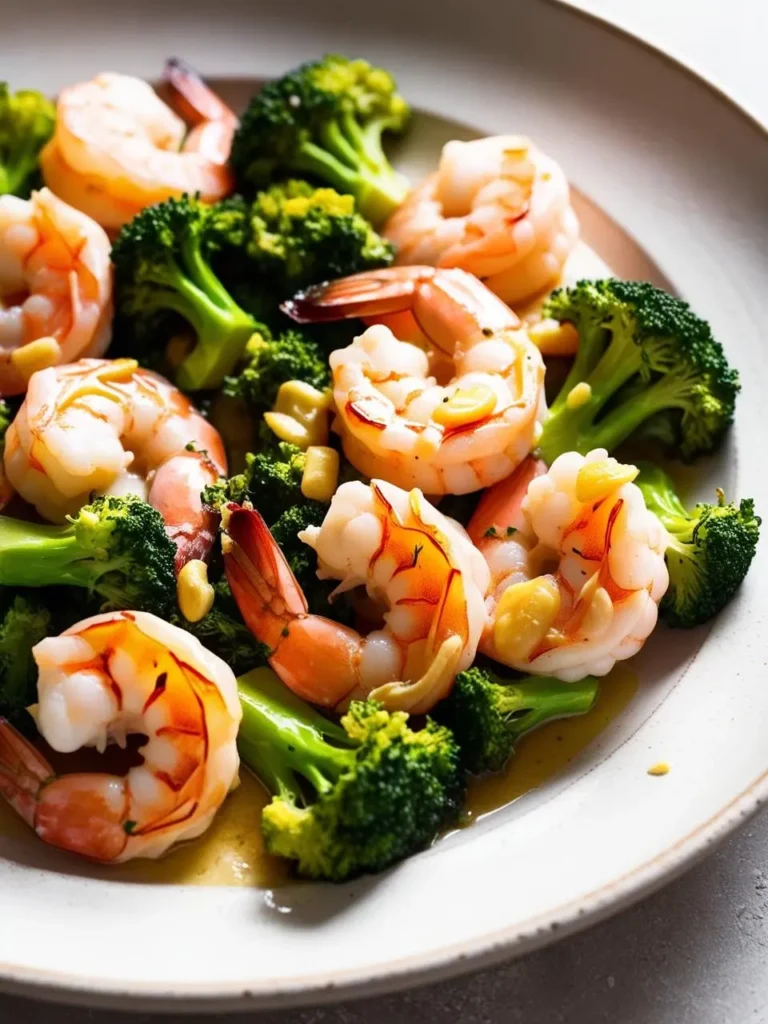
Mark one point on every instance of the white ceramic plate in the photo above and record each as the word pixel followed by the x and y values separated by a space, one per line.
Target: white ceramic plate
pixel 683 172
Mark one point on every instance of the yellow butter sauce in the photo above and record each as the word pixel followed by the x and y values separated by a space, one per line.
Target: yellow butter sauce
pixel 544 753
pixel 231 852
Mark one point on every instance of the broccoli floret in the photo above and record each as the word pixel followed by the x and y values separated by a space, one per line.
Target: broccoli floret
pixel 488 715
pixel 162 268
pixel 709 552
pixel 27 120
pixel 299 235
pixel 5 421
pixel 24 622
pixel 271 361
pixel 223 631
pixel 326 119
pixel 271 482
pixel 346 799
pixel 116 547
pixel 648 361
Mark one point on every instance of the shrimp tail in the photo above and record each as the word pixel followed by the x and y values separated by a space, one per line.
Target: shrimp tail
pixel 175 493
pixel 190 97
pixel 262 583
pixel 23 772
pixel 213 122
pixel 372 293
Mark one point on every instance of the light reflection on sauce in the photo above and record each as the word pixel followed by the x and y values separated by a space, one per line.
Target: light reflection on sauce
pixel 232 853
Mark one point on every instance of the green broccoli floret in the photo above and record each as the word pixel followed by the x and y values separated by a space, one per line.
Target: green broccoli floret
pixel 5 420
pixel 27 120
pixel 223 631
pixel 271 361
pixel 116 547
pixel 488 715
pixel 326 119
pixel 710 549
pixel 162 268
pixel 346 799
pixel 299 235
pixel 271 482
pixel 24 622
pixel 648 362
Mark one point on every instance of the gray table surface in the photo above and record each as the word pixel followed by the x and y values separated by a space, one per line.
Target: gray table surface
pixel 693 953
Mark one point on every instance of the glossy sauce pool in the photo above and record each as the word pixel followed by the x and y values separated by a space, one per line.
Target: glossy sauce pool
pixel 231 851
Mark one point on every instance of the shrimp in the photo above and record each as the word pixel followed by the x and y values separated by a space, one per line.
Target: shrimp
pixel 118 148
pixel 106 426
pixel 416 562
pixel 577 566
pixel 395 420
pixel 101 680
pixel 497 208
pixel 55 283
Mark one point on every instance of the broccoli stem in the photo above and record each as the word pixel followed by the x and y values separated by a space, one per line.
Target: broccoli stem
pixel 529 703
pixel 353 161
pixel 40 555
pixel 281 738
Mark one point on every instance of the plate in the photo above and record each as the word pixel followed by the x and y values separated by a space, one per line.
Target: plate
pixel 671 178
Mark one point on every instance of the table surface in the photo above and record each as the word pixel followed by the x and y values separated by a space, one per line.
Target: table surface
pixel 694 953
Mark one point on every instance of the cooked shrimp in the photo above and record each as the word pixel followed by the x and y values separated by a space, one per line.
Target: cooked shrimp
pixel 409 557
pixel 577 566
pixel 118 148
pixel 101 680
pixel 55 283
pixel 106 426
pixel 395 420
pixel 497 208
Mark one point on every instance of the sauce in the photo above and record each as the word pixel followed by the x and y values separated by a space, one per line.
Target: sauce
pixel 231 852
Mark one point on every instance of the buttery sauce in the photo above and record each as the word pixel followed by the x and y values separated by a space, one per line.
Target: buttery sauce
pixel 231 852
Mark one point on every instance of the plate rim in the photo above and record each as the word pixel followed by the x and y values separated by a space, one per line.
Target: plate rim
pixel 468 955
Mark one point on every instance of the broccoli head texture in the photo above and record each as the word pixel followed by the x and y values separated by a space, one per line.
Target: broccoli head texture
pixel 709 552
pixel 116 547
pixel 270 361
pixel 27 120
pixel 488 715
pixel 648 362
pixel 326 119
pixel 163 276
pixel 24 622
pixel 351 799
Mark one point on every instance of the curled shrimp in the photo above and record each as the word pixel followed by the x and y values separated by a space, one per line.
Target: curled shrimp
pixel 497 208
pixel 118 148
pixel 106 426
pixel 101 680
pixel 409 556
pixel 395 420
pixel 55 283
pixel 577 566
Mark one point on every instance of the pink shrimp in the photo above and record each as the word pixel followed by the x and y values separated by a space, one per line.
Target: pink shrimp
pixel 106 426
pixel 576 562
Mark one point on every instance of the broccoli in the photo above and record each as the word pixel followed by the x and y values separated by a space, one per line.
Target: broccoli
pixel 24 622
pixel 271 482
pixel 162 268
pixel 488 715
pixel 115 547
pixel 271 361
pixel 326 119
pixel 27 120
pixel 709 552
pixel 223 631
pixel 648 362
pixel 346 799
pixel 299 235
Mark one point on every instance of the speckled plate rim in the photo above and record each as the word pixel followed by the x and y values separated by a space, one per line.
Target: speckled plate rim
pixel 451 959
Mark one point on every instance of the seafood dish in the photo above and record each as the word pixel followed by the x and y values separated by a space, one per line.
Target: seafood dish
pixel 321 490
